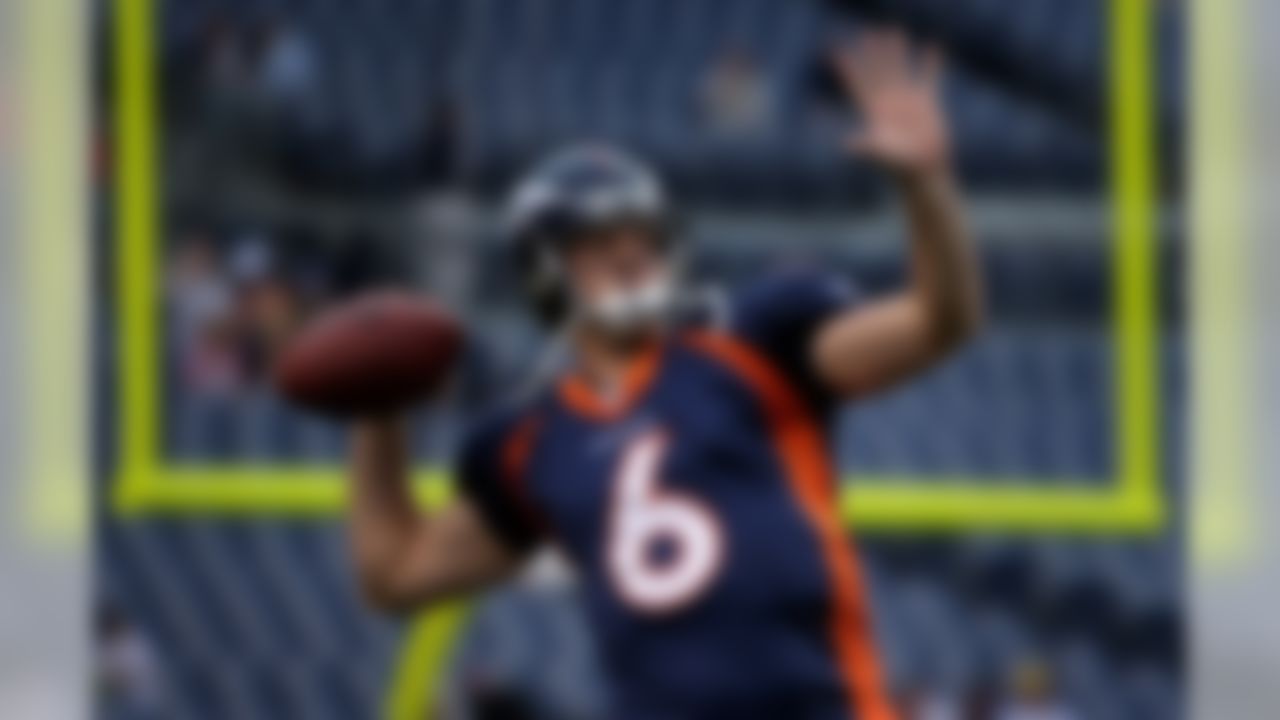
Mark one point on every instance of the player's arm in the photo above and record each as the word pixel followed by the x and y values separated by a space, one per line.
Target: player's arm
pixel 405 558
pixel 882 342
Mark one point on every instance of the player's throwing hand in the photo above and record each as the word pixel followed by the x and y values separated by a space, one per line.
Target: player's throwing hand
pixel 896 88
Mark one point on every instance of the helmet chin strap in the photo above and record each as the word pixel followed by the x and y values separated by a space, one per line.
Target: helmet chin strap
pixel 622 312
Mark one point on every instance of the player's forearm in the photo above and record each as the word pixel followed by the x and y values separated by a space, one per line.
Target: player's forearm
pixel 945 276
pixel 384 517
pixel 406 558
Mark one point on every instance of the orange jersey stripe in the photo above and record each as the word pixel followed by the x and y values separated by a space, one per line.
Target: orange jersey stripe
pixel 517 448
pixel 803 453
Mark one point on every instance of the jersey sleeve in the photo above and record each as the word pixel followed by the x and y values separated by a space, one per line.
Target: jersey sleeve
pixel 778 316
pixel 490 468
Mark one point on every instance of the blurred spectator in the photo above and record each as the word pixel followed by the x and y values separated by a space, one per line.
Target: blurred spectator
pixel 212 364
pixel 268 314
pixel 200 302
pixel 737 99
pixel 223 62
pixel 1032 696
pixel 223 76
pixel 267 308
pixel 227 320
pixel 285 68
pixel 127 675
pixel 198 291
pixel 251 259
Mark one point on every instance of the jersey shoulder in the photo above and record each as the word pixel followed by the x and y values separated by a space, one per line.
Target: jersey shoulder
pixel 491 464
pixel 787 303
pixel 778 314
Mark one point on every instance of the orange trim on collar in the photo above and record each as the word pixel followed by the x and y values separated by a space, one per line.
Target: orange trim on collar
pixel 584 399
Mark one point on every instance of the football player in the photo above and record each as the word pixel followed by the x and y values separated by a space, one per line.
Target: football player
pixel 687 474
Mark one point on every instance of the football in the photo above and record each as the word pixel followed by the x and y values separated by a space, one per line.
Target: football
pixel 375 355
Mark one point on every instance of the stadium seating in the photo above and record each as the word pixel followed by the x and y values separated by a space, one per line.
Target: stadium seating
pixel 1026 88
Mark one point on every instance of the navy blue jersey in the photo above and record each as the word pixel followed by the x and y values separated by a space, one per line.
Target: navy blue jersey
pixel 700 509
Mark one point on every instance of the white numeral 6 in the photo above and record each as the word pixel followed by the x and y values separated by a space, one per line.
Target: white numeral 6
pixel 663 547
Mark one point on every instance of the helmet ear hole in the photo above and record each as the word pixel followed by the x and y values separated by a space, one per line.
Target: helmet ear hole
pixel 551 306
pixel 546 284
pixel 550 268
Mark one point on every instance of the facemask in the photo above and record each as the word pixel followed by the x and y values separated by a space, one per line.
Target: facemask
pixel 626 311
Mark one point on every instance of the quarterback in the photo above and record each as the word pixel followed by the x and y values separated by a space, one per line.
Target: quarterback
pixel 685 470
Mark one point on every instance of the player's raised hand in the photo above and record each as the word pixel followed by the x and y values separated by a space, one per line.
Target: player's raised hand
pixel 897 89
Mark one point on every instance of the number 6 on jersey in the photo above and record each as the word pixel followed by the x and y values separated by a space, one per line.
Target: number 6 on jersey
pixel 663 547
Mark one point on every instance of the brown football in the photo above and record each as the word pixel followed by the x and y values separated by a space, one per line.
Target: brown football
pixel 377 354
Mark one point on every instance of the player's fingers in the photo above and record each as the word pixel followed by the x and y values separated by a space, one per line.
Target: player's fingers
pixel 867 58
pixel 872 54
pixel 886 57
pixel 933 62
pixel 858 142
pixel 845 63
pixel 897 58
pixel 844 60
